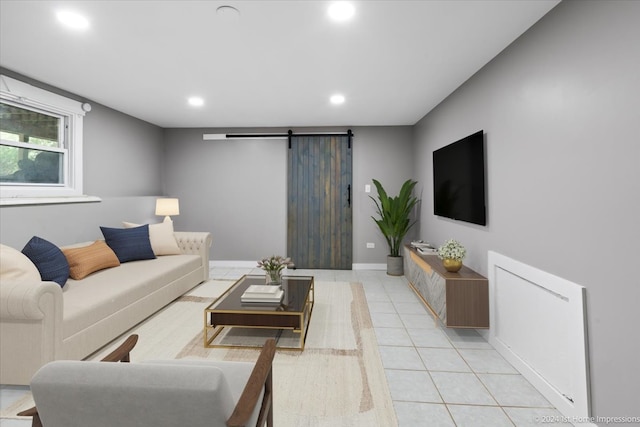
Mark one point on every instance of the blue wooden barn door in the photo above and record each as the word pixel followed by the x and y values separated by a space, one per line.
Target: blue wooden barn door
pixel 319 228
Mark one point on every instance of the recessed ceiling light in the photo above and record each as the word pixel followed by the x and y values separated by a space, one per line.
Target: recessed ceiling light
pixel 341 11
pixel 73 20
pixel 228 12
pixel 196 101
pixel 337 99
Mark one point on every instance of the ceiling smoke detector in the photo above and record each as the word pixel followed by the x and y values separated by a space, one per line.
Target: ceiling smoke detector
pixel 228 13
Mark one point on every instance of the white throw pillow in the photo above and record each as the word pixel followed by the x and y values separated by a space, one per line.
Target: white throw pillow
pixel 161 236
pixel 16 266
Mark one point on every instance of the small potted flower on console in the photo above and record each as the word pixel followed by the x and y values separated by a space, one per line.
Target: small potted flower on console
pixel 452 253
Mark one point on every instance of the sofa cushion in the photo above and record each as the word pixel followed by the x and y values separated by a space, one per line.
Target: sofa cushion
pixel 89 259
pixel 16 266
pixel 48 259
pixel 129 244
pixel 161 236
pixel 105 294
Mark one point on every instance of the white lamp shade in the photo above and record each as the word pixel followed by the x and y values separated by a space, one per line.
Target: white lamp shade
pixel 167 207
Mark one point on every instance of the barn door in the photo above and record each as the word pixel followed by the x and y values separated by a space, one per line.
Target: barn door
pixel 319 227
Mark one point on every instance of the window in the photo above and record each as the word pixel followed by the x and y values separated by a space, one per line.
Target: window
pixel 40 145
pixel 32 151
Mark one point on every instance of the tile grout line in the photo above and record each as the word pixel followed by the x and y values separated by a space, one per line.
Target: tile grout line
pixel 457 350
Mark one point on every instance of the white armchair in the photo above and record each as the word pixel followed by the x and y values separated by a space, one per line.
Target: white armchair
pixel 155 394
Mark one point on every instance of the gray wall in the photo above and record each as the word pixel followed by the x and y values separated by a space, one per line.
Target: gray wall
pixel 560 109
pixel 122 165
pixel 385 154
pixel 122 155
pixel 64 224
pixel 236 189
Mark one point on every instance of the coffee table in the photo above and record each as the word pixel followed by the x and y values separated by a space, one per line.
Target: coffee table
pixel 294 312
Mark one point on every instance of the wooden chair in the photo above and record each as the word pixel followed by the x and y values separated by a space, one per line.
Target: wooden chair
pixel 120 354
pixel 139 383
pixel 260 379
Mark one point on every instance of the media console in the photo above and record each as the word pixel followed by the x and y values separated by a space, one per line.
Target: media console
pixel 459 300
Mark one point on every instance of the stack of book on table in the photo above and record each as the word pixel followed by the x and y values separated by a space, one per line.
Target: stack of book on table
pixel 262 293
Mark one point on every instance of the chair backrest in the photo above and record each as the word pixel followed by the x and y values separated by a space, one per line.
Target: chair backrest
pixel 80 393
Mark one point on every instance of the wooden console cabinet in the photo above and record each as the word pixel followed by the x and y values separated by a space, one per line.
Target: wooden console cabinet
pixel 460 300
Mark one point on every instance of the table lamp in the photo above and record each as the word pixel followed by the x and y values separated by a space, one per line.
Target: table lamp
pixel 167 207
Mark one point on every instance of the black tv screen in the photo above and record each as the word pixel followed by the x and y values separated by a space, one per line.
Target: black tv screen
pixel 458 180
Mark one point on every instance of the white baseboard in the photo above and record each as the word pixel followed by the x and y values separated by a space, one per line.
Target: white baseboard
pixel 233 264
pixel 369 267
pixel 253 264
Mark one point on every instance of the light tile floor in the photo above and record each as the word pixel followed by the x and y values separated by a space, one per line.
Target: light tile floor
pixel 439 376
pixel 436 376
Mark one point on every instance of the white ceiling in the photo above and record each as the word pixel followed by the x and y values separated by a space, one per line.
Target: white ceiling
pixel 276 64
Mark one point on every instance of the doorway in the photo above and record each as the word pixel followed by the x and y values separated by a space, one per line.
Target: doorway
pixel 319 205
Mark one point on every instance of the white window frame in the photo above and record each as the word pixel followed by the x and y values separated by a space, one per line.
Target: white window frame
pixel 70 111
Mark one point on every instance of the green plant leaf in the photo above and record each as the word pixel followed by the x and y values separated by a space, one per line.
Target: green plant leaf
pixel 394 214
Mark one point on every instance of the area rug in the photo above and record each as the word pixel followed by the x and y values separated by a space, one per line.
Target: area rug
pixel 338 380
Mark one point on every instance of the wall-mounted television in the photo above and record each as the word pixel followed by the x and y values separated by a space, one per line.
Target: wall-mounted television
pixel 458 180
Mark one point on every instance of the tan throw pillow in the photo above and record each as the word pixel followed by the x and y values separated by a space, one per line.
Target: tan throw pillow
pixel 17 267
pixel 161 236
pixel 89 259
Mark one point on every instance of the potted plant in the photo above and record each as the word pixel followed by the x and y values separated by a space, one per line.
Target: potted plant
pixel 452 253
pixel 394 221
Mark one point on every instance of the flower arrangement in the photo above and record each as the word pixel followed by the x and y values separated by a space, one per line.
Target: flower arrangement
pixel 452 249
pixel 273 266
pixel 274 263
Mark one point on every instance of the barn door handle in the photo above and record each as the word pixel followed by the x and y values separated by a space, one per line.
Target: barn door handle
pixel 349 194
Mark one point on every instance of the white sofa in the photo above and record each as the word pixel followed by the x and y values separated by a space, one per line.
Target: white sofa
pixel 41 321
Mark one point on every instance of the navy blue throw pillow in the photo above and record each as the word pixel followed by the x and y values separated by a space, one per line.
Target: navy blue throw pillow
pixel 129 244
pixel 48 259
